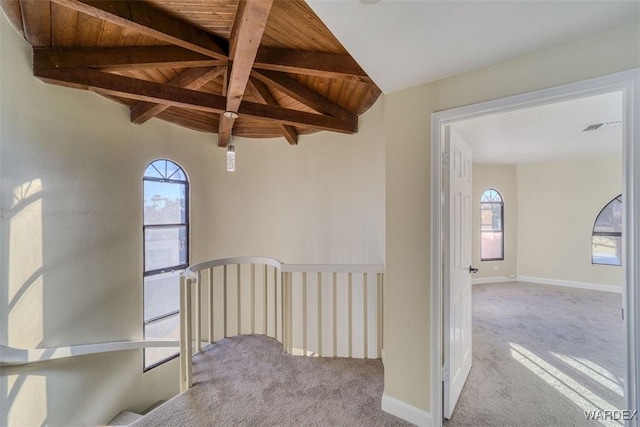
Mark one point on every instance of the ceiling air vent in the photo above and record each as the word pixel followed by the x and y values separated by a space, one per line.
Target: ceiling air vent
pixel 601 125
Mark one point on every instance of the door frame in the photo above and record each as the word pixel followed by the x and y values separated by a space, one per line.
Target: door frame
pixel 628 82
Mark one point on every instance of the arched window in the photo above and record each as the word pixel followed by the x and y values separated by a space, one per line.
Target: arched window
pixel 491 226
pixel 166 254
pixel 606 239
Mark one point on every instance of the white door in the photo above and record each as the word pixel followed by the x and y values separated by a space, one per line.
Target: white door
pixel 457 267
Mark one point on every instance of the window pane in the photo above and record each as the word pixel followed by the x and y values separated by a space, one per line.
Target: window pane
pixel 610 219
pixel 161 294
pixel 607 250
pixel 491 245
pixel 168 328
pixel 164 203
pixel 491 196
pixel 490 217
pixel 165 247
pixel 486 217
pixel 153 170
pixel 174 172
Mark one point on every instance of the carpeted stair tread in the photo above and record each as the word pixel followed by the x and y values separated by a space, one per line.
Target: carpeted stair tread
pixel 124 418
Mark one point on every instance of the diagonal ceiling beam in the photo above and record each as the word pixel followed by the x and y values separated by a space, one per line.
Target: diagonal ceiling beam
pixel 261 92
pixel 326 65
pixel 246 34
pixel 126 87
pixel 141 17
pixel 225 123
pixel 302 93
pixel 36 19
pixel 121 58
pixel 319 64
pixel 193 78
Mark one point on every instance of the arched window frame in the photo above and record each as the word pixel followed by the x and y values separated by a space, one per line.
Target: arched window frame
pixel 614 235
pixel 491 199
pixel 161 280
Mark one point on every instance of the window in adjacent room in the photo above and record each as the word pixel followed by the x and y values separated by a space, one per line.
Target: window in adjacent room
pixel 606 239
pixel 491 226
pixel 166 254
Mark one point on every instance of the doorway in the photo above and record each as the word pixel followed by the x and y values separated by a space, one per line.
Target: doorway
pixel 627 83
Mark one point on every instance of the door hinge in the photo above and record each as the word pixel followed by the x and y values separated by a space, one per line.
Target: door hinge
pixel 445 158
pixel 445 374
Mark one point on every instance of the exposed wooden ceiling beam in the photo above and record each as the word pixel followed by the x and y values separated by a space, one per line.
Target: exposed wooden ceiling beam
pixel 193 78
pixel 11 8
pixel 134 57
pixel 141 17
pixel 36 17
pixel 303 94
pixel 121 58
pixel 246 34
pixel 126 87
pixel 310 63
pixel 261 92
pixel 225 124
pixel 248 27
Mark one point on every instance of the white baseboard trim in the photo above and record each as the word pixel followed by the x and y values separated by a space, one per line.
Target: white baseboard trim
pixel 407 412
pixel 497 279
pixel 570 284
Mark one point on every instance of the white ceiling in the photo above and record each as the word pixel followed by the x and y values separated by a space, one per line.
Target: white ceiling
pixel 546 133
pixel 405 43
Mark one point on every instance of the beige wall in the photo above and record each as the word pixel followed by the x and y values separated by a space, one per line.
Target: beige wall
pixel 549 213
pixel 503 179
pixel 408 169
pixel 320 202
pixel 71 167
pixel 559 202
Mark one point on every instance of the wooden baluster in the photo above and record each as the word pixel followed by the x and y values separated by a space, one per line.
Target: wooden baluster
pixel 319 314
pixel 365 310
pixel 265 300
pixel 210 303
pixel 335 314
pixel 224 299
pixel 350 312
pixel 304 313
pixel 253 298
pixel 198 313
pixel 239 299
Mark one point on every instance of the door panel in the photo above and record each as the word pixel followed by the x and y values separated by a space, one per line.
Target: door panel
pixel 457 263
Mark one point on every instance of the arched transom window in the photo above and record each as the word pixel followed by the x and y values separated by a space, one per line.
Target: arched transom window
pixel 491 226
pixel 606 239
pixel 166 254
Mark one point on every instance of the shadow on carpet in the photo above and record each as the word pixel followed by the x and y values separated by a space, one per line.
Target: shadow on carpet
pixel 250 380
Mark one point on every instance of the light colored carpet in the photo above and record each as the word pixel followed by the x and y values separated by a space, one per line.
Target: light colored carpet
pixel 248 380
pixel 541 356
pixel 124 418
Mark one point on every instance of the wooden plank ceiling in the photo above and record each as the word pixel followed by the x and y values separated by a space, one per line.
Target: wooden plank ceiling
pixel 271 62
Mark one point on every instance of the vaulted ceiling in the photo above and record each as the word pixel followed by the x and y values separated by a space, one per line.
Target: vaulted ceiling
pixel 252 68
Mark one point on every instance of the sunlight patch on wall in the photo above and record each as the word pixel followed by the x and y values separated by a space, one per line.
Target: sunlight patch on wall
pixel 581 396
pixel 27 397
pixel 25 290
pixel 26 190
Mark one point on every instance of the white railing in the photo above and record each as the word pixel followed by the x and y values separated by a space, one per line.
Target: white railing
pixel 313 310
pixel 22 356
